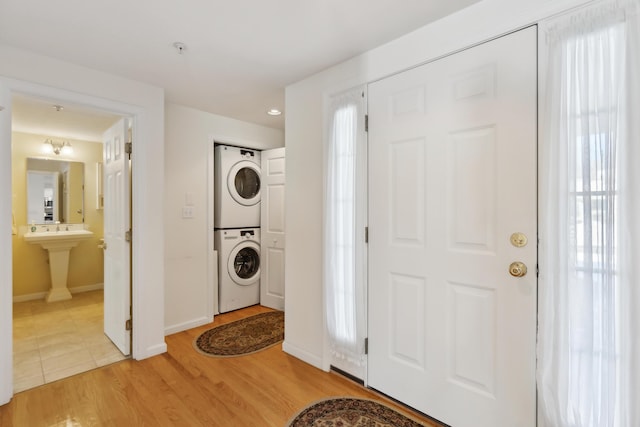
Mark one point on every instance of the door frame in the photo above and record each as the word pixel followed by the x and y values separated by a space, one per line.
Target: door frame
pixel 6 304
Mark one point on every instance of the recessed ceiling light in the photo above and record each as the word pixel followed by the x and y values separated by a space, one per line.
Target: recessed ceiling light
pixel 274 112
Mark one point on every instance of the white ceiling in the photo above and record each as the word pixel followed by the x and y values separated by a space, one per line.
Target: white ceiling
pixel 240 53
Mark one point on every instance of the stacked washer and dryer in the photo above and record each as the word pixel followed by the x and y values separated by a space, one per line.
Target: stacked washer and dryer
pixel 237 226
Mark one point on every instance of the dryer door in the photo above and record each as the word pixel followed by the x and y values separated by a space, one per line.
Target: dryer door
pixel 244 263
pixel 243 182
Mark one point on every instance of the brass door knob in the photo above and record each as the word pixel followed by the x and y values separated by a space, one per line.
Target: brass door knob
pixel 517 269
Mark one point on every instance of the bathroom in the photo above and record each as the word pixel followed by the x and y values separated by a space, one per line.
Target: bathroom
pixel 53 340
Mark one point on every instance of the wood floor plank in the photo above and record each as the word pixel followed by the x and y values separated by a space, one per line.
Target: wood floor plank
pixel 185 388
pixel 102 399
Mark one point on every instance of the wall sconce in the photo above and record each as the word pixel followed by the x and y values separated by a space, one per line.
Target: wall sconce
pixel 51 146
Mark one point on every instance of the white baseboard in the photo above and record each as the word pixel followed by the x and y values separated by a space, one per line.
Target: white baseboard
pixel 168 330
pixel 303 355
pixel 42 295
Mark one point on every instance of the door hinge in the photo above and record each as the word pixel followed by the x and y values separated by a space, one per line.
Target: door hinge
pixel 537 270
pixel 366 123
pixel 366 345
pixel 128 148
pixel 366 234
pixel 127 236
pixel 127 325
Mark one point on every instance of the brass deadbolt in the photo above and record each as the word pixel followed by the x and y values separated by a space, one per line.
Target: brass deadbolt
pixel 519 240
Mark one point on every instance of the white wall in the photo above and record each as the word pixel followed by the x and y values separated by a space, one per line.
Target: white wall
pixel 189 137
pixel 34 74
pixel 304 324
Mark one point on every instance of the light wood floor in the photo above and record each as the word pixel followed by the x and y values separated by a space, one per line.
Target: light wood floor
pixel 184 388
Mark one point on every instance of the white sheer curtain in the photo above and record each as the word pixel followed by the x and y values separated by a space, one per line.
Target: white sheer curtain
pixel 343 261
pixel 588 361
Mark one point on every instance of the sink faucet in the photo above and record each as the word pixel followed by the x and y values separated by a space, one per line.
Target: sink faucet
pixel 57 225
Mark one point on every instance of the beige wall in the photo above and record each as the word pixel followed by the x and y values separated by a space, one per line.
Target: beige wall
pixel 30 262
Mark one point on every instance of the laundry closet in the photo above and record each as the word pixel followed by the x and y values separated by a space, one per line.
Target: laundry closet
pixel 248 226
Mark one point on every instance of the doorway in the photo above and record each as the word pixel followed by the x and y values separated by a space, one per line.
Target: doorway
pixel 145 104
pixel 53 340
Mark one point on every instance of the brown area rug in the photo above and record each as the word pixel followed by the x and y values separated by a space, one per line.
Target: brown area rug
pixel 350 412
pixel 243 336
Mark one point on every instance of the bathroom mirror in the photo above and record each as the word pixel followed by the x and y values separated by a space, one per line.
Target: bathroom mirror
pixel 55 191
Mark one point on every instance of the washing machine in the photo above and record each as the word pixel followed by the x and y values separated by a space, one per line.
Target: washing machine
pixel 238 268
pixel 237 187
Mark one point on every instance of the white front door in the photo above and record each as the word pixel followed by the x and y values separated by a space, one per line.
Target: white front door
pixel 273 228
pixel 117 220
pixel 452 175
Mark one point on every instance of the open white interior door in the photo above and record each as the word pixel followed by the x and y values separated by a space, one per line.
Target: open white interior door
pixel 117 224
pixel 272 229
pixel 452 318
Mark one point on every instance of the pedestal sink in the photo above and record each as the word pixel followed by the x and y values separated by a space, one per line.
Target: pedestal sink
pixel 58 244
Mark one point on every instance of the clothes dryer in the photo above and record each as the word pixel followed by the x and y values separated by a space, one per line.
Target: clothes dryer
pixel 237 187
pixel 238 268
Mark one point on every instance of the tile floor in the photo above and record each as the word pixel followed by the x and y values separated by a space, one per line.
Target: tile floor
pixel 56 340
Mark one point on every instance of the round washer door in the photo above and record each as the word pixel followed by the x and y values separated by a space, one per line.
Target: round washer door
pixel 243 183
pixel 244 263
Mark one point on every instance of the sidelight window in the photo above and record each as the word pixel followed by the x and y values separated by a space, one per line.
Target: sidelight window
pixel 588 294
pixel 345 201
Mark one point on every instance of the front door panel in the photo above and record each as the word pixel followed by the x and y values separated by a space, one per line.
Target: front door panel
pixel 452 175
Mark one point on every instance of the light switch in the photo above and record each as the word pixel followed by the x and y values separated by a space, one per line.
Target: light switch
pixel 188 198
pixel 188 212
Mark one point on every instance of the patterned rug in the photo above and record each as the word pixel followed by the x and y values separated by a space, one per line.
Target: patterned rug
pixel 243 336
pixel 350 412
